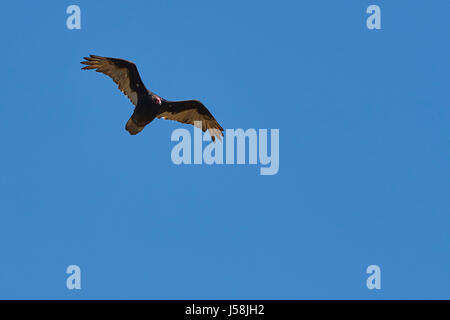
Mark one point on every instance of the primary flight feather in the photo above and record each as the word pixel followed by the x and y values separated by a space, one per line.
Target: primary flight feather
pixel 148 105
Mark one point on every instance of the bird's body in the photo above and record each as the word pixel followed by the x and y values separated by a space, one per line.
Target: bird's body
pixel 149 105
pixel 144 113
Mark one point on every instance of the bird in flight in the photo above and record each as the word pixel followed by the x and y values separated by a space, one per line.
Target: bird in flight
pixel 149 105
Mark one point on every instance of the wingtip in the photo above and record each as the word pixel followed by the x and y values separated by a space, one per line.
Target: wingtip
pixel 91 57
pixel 88 62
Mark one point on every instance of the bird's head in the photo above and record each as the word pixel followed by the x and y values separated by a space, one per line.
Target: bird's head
pixel 156 99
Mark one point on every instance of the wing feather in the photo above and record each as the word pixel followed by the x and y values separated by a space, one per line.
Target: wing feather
pixel 190 112
pixel 124 73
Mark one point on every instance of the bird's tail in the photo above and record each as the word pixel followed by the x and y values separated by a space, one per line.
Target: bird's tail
pixel 132 127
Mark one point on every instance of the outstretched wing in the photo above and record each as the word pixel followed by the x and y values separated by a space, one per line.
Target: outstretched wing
pixel 123 72
pixel 191 111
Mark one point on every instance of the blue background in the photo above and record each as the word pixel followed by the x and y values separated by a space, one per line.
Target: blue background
pixel 364 151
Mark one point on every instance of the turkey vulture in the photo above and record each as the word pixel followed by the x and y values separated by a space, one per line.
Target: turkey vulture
pixel 148 105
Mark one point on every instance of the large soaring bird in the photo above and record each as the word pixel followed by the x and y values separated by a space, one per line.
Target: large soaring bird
pixel 148 105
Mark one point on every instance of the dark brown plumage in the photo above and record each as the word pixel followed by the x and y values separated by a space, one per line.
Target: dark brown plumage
pixel 147 104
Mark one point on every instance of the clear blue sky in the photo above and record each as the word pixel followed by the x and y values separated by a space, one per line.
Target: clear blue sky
pixel 364 174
